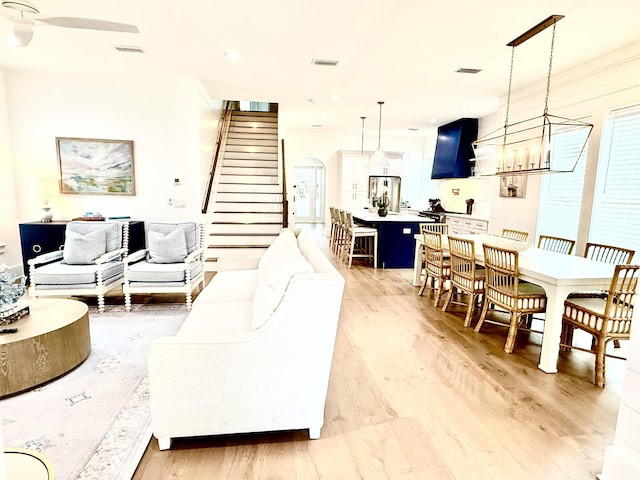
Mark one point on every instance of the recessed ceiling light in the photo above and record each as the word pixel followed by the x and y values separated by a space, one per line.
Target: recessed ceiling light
pixel 468 70
pixel 232 56
pixel 316 125
pixel 412 129
pixel 335 97
pixel 433 120
pixel 128 49
pixel 323 115
pixel 324 63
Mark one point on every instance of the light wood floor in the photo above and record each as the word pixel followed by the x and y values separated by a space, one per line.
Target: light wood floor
pixel 415 395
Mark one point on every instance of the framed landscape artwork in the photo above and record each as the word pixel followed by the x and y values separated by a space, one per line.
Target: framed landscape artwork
pixel 89 165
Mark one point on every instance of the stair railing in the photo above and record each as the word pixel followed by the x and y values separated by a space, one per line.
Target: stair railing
pixel 285 202
pixel 223 130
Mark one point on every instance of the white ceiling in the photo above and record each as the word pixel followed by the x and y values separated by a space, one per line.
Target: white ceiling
pixel 404 52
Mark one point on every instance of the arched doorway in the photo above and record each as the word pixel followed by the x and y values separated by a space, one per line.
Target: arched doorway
pixel 310 191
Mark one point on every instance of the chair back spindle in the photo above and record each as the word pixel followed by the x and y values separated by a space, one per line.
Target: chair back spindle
pixel 556 244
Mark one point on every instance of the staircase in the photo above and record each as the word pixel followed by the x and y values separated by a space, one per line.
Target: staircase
pixel 246 207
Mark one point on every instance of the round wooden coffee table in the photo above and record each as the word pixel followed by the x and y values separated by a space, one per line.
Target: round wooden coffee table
pixel 51 340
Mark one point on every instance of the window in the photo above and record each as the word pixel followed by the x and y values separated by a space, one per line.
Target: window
pixel 616 212
pixel 561 193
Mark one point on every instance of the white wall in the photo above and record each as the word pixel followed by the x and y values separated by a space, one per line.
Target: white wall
pixel 164 119
pixel 9 217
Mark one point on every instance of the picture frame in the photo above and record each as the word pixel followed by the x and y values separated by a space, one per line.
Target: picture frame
pixel 513 186
pixel 95 166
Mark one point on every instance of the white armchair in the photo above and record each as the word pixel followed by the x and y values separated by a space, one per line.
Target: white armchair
pixel 173 263
pixel 91 262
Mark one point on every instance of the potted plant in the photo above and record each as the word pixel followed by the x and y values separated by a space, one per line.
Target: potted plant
pixel 383 205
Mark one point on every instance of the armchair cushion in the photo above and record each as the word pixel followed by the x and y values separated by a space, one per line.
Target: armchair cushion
pixel 167 248
pixel 83 249
pixel 151 273
pixel 112 231
pixel 75 275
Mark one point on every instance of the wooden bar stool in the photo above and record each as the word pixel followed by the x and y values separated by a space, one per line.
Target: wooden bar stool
pixel 360 242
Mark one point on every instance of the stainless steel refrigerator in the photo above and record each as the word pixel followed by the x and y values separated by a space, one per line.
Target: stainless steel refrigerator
pixel 378 185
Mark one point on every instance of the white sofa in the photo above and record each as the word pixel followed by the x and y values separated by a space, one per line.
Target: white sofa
pixel 255 351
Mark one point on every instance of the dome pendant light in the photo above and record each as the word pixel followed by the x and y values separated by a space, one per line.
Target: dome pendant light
pixel 379 159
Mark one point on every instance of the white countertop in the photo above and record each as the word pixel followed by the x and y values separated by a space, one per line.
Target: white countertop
pixel 372 216
pixel 468 217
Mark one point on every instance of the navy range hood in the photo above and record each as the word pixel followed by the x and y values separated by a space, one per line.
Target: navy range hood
pixel 454 152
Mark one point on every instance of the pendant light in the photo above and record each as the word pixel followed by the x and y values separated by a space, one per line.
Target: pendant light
pixel 525 147
pixel 362 140
pixel 379 159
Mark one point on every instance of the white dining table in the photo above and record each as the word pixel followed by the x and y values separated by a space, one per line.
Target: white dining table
pixel 559 274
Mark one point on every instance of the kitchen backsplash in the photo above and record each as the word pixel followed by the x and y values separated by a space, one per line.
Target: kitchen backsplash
pixel 454 193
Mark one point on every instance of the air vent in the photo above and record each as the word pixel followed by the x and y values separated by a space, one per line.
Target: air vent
pixel 324 63
pixel 125 49
pixel 316 125
pixel 468 70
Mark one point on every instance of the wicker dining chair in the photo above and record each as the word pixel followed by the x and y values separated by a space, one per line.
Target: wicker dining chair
pixel 437 268
pixel 608 253
pixel 465 276
pixel 503 288
pixel 442 228
pixel 601 252
pixel 605 318
pixel 556 244
pixel 515 234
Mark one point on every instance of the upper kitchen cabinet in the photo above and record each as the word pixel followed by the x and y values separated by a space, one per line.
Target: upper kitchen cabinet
pixel 353 180
pixel 394 169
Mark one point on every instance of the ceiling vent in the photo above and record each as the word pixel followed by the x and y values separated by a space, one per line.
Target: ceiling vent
pixel 468 70
pixel 126 49
pixel 324 63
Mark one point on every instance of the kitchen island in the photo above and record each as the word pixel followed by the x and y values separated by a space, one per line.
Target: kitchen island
pixel 395 236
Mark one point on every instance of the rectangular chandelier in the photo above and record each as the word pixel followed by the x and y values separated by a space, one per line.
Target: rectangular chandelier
pixel 528 146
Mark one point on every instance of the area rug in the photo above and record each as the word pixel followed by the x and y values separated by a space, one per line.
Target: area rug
pixel 94 422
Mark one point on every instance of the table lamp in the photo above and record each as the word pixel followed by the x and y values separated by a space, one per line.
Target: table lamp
pixel 43 188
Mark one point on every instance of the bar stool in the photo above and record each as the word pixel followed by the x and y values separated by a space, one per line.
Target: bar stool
pixel 333 212
pixel 361 242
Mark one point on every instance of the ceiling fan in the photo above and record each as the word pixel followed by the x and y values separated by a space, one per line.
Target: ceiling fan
pixel 23 26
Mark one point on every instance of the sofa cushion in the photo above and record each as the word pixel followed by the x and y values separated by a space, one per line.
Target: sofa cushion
pixel 227 318
pixel 286 237
pixel 83 249
pixel 229 286
pixel 274 275
pixel 167 247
